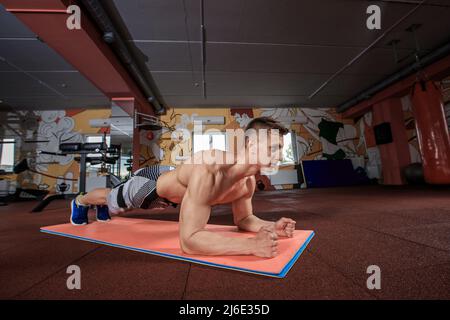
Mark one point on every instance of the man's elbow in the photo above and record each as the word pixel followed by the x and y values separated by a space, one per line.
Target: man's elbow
pixel 187 245
pixel 241 222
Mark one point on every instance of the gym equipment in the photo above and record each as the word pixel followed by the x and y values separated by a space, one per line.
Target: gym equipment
pixel 22 195
pixel 114 158
pixel 29 194
pixel 19 194
pixel 144 235
pixel 27 164
pixel 432 132
pixel 86 154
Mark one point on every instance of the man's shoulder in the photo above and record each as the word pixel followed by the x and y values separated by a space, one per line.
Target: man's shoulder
pixel 251 180
pixel 210 157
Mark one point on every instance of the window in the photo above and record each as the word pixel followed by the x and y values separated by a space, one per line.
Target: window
pixel 289 151
pixel 208 141
pixel 98 138
pixel 7 156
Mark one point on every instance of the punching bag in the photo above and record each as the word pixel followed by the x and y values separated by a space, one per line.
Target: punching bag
pixel 432 132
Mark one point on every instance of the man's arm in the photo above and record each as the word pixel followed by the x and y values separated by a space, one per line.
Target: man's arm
pixel 244 218
pixel 194 215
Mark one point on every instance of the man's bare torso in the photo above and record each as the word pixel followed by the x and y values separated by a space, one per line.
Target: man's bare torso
pixel 172 185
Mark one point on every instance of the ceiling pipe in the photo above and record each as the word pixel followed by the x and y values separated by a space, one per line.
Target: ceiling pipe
pixel 411 69
pixel 203 50
pixel 111 36
pixel 366 50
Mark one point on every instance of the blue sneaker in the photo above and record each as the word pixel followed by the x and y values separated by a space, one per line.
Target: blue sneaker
pixel 79 214
pixel 102 213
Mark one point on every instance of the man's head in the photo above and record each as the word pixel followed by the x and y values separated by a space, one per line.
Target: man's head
pixel 265 140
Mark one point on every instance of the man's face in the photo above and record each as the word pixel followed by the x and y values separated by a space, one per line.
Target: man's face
pixel 266 148
pixel 275 149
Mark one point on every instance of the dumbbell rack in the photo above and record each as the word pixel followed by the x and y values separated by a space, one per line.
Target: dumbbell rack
pixel 81 149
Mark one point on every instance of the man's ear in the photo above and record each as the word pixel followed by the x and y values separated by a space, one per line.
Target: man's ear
pixel 251 141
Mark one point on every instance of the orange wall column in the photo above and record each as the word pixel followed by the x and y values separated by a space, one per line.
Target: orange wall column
pixel 394 156
pixel 432 132
pixel 96 60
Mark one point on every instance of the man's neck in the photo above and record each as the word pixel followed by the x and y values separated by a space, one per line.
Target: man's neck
pixel 242 168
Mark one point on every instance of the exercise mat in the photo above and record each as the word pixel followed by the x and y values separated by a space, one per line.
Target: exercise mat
pixel 161 238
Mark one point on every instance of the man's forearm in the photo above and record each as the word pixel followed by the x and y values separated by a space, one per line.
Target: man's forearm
pixel 210 243
pixel 253 224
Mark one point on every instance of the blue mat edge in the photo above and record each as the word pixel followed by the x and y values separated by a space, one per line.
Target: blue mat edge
pixel 282 274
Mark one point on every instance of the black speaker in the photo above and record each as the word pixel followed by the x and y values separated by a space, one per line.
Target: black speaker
pixel 383 133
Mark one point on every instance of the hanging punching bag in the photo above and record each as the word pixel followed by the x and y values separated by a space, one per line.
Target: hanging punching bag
pixel 432 132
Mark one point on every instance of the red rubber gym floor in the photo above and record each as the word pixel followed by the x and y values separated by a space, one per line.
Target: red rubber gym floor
pixel 405 231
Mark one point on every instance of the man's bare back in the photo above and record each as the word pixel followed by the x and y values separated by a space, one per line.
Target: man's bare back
pixel 225 188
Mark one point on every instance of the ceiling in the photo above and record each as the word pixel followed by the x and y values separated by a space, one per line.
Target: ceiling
pixel 33 76
pixel 273 52
pixel 268 53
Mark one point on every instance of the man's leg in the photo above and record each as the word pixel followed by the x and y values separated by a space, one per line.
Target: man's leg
pixel 95 197
pixel 143 192
pixel 137 192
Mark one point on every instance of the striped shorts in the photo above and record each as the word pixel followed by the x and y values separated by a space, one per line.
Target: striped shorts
pixel 139 191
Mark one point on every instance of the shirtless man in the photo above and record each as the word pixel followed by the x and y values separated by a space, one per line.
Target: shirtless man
pixel 198 185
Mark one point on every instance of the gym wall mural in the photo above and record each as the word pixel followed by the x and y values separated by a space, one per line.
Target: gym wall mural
pixel 323 135
pixel 47 129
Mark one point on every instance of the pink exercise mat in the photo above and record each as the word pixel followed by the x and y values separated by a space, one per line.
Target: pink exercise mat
pixel 161 238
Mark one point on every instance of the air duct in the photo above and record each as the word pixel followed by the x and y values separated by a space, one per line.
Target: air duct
pixel 112 37
pixel 411 69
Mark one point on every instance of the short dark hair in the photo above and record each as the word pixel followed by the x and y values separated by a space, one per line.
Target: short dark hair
pixel 266 123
